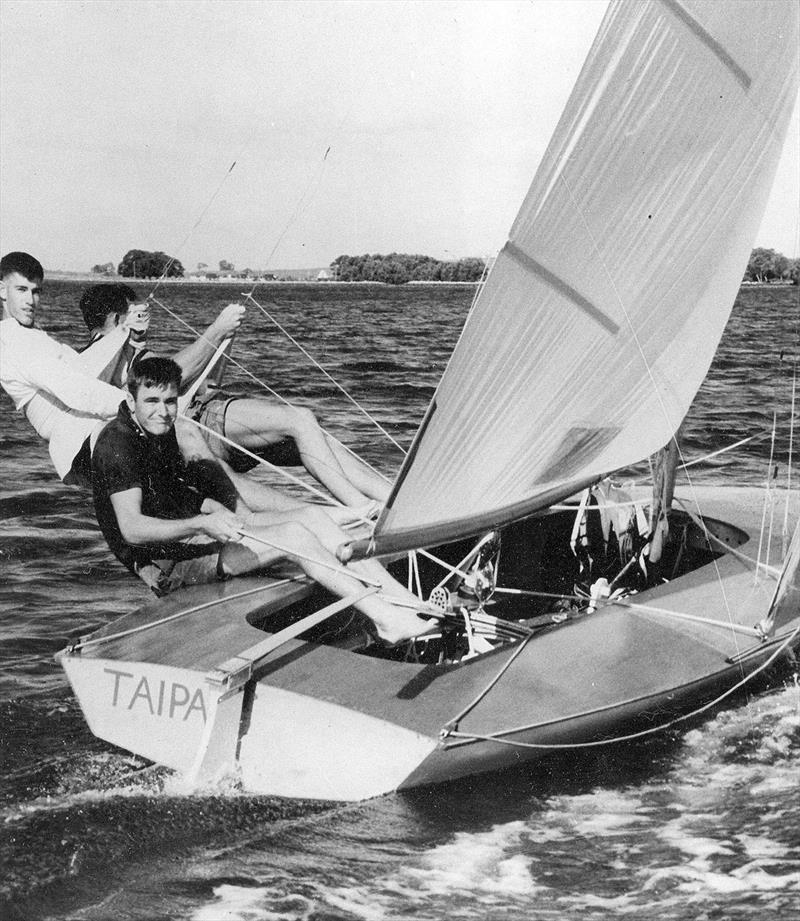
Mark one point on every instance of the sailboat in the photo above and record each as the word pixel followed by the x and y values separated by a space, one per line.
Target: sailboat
pixel 562 626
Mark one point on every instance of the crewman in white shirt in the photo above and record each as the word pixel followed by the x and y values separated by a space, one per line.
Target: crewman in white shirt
pixel 59 390
pixel 68 396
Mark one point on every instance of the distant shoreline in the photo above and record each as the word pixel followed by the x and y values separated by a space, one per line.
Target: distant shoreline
pixel 56 275
pixel 60 275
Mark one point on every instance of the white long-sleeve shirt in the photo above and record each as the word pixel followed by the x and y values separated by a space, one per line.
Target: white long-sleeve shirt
pixel 58 389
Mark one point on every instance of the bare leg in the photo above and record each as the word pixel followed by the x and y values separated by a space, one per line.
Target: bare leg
pixel 254 423
pixel 330 536
pixel 255 495
pixel 392 623
pixel 191 442
pixel 361 475
pixel 259 497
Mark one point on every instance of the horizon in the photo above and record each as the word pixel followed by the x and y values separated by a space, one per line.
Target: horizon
pixel 333 128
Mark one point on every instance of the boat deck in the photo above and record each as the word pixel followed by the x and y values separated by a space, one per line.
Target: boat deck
pixel 658 650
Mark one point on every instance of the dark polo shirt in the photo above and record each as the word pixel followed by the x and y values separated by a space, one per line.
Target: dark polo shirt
pixel 125 457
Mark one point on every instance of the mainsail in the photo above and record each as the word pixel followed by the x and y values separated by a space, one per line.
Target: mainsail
pixel 602 313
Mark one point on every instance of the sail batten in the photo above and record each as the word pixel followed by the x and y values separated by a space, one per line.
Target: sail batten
pixel 528 262
pixel 600 318
pixel 714 46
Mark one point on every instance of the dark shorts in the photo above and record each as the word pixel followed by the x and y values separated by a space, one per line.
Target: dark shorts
pixel 80 473
pixel 210 410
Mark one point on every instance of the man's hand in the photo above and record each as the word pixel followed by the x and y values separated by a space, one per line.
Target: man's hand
pixel 136 321
pixel 229 320
pixel 220 524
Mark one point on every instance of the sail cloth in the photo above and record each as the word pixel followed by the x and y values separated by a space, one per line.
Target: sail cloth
pixel 602 313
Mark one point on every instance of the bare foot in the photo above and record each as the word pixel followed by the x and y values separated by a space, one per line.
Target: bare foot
pixel 403 625
pixel 345 515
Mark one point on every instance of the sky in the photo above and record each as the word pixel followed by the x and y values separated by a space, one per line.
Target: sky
pixel 354 127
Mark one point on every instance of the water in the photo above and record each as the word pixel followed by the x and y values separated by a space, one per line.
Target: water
pixel 699 825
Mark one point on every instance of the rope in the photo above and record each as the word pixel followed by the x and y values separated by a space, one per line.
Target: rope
pixel 327 374
pixel 315 180
pixel 785 533
pixel 186 398
pixel 726 625
pixel 310 559
pixel 265 463
pixel 475 737
pixel 458 568
pixel 471 706
pixel 196 224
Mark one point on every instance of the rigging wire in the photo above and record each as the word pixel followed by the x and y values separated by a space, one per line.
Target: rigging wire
pixel 328 500
pixel 330 377
pixel 789 460
pixel 767 502
pixel 200 217
pixel 305 197
pixel 302 201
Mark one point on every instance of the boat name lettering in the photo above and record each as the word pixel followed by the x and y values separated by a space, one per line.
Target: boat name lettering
pixel 168 698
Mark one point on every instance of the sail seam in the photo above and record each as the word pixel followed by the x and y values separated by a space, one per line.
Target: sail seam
pixel 709 41
pixel 559 285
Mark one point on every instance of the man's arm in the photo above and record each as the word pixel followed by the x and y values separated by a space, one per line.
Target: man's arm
pixel 138 529
pixel 101 356
pixel 37 362
pixel 108 354
pixel 196 356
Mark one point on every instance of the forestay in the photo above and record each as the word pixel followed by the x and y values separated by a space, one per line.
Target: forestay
pixel 602 313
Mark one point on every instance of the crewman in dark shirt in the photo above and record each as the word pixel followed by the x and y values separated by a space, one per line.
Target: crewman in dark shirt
pixel 175 524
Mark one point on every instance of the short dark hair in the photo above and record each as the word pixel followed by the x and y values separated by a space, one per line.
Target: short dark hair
pixel 153 371
pixel 24 264
pixel 101 300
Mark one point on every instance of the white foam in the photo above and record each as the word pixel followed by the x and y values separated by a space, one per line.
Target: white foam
pixel 678 835
pixel 700 874
pixel 483 866
pixel 759 848
pixel 246 903
pixel 235 903
pixel 600 814
pixel 226 783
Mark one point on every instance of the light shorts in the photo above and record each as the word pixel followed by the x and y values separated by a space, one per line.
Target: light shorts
pixel 210 410
pixel 165 576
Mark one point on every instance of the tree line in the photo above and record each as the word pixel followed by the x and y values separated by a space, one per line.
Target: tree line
pixel 399 268
pixel 765 265
pixel 141 263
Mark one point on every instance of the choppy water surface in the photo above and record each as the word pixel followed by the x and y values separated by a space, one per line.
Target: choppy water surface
pixel 702 825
